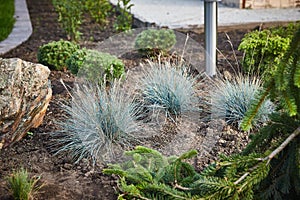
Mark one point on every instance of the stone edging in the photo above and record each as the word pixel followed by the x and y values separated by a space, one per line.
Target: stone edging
pixel 22 28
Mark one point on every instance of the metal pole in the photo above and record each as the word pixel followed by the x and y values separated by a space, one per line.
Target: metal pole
pixel 210 27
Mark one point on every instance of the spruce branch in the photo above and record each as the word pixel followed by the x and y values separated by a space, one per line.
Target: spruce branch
pixel 252 112
pixel 283 145
pixel 271 155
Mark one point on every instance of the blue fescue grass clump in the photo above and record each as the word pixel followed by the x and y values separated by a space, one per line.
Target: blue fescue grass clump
pixel 97 119
pixel 230 100
pixel 169 88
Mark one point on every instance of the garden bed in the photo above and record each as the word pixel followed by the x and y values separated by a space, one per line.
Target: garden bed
pixel 62 178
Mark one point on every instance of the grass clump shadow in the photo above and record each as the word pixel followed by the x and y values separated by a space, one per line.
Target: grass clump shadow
pixel 99 121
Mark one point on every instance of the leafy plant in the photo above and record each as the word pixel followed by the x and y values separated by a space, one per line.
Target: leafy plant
pixel 155 41
pixel 124 19
pixel 97 119
pixel 54 54
pixel 99 10
pixel 21 186
pixel 94 65
pixel 230 100
pixel 169 88
pixel 7 20
pixel 263 51
pixel 70 16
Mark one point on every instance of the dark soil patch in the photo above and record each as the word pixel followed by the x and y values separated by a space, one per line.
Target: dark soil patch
pixel 62 179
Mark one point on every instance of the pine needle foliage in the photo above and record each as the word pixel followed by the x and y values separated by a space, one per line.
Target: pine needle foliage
pixel 150 175
pixel 283 180
pixel 98 119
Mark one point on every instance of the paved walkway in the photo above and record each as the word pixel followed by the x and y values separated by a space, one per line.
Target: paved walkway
pixel 190 13
pixel 22 28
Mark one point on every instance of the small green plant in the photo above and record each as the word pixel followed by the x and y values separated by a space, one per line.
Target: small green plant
pixel 153 42
pixel 7 10
pixel 70 16
pixel 98 118
pixel 124 19
pixel 149 175
pixel 169 88
pixel 21 186
pixel 54 54
pixel 99 10
pixel 263 51
pixel 230 100
pixel 96 66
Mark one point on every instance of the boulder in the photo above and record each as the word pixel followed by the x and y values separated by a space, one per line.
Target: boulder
pixel 25 93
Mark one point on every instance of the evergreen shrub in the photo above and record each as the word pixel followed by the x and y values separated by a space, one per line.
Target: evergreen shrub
pixel 263 51
pixel 152 42
pixel 94 65
pixel 54 54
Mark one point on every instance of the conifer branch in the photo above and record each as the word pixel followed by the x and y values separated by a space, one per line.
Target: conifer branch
pixel 176 186
pixel 241 178
pixel 251 113
pixel 271 155
pixel 283 145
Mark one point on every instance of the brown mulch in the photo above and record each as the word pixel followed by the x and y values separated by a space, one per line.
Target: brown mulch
pixel 62 178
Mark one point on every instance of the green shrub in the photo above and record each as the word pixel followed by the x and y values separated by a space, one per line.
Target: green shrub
pixel 230 100
pixel 94 65
pixel 169 88
pixel 262 52
pixel 98 118
pixel 69 16
pixel 54 54
pixel 124 18
pixel 155 41
pixel 286 31
pixel 99 10
pixel 21 186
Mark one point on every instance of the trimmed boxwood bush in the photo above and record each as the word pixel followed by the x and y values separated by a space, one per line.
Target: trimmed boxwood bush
pixel 155 41
pixel 54 54
pixel 94 65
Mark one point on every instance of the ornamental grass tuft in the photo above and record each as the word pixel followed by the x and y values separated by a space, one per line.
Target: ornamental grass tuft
pixel 169 88
pixel 230 100
pixel 21 186
pixel 98 120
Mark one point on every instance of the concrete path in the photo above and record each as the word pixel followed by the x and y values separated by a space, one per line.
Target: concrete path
pixel 22 28
pixel 190 13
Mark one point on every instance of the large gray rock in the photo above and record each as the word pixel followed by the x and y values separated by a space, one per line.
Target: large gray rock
pixel 25 93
